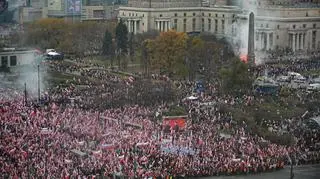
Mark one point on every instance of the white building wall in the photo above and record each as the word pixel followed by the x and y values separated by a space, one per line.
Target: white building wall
pixel 277 21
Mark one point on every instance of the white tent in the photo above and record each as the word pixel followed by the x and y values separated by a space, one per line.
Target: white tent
pixel 53 53
pixel 192 98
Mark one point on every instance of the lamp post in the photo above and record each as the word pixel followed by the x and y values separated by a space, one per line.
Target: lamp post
pixel 25 94
pixel 39 83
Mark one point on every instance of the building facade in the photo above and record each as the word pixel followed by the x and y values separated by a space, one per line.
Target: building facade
pixel 278 23
pixel 17 57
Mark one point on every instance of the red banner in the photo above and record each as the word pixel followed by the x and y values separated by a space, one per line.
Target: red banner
pixel 179 121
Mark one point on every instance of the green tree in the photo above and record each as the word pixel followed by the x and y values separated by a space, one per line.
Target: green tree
pixel 195 54
pixel 130 46
pixel 107 45
pixel 235 78
pixel 122 37
pixel 145 57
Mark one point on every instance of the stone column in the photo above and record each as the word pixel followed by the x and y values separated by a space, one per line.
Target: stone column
pixel 158 25
pixel 268 41
pixel 262 41
pixel 135 27
pixel 164 26
pixel 293 42
pixel 129 26
pixel 303 40
pixel 297 41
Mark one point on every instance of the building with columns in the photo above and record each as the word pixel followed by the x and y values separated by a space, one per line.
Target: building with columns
pixel 278 23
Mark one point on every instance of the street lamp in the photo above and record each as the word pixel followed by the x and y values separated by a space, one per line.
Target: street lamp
pixel 39 83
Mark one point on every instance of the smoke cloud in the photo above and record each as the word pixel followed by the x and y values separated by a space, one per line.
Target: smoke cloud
pixel 26 74
pixel 240 27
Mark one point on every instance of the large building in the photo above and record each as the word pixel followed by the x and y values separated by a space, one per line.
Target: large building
pixel 278 23
pixel 71 10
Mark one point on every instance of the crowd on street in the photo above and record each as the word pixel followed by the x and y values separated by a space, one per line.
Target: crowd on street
pixel 72 135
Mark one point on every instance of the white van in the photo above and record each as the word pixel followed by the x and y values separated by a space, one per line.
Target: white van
pixel 313 87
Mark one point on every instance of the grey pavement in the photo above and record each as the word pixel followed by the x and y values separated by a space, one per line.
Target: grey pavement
pixel 300 172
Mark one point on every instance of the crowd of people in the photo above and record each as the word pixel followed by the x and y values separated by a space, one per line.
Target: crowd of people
pixel 72 135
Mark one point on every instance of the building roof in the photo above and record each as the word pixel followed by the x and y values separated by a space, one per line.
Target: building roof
pixel 16 50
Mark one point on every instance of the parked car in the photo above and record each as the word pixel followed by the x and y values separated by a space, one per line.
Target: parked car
pixel 283 78
pixel 313 87
pixel 299 79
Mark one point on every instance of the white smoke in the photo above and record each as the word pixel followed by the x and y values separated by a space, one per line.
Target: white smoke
pixel 26 74
pixel 240 26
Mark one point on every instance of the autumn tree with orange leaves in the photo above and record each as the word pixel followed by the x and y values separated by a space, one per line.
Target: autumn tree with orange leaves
pixel 168 53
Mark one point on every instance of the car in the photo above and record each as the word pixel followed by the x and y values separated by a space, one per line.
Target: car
pixel 299 79
pixel 313 87
pixel 316 80
pixel 283 78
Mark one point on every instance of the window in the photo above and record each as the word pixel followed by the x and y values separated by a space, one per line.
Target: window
pixel 175 14
pixel 277 36
pixel 314 26
pixel 278 26
pixel 184 14
pixel 98 13
pixel 257 36
pixel 13 60
pixel 222 23
pixel 193 24
pixel 175 24
pixel 202 25
pixel 304 25
pixel 129 14
pixel 223 15
pixel 202 14
pixel 216 25
pixel 267 25
pixel 4 61
pixel 216 15
pixel 160 15
pixel 184 25
pixel 142 15
pixel 209 14
pixel 209 25
pixel 194 14
pixel 294 26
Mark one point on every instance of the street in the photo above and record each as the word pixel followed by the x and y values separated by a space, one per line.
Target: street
pixel 300 172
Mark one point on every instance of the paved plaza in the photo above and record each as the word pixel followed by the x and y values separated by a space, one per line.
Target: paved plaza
pixel 300 172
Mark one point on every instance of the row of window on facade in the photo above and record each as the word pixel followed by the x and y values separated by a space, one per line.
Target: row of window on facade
pixel 194 21
pixel 176 14
pixel 293 26
pixel 12 60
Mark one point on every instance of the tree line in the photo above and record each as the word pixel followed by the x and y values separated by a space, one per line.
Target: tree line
pixel 175 54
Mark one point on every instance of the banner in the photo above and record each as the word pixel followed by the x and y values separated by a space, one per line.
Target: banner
pixel 73 7
pixel 54 5
pixel 173 121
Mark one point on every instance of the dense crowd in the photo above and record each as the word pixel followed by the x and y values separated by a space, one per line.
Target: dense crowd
pixel 64 139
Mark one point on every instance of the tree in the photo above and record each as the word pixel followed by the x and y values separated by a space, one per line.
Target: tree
pixel 122 37
pixel 130 46
pixel 194 55
pixel 168 52
pixel 235 77
pixel 145 57
pixel 107 46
